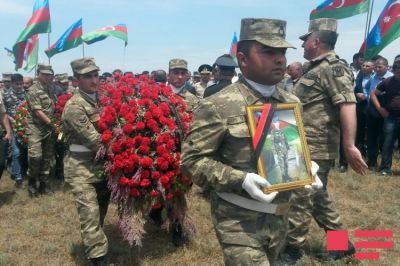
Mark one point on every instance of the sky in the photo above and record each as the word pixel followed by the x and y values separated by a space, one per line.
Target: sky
pixel 159 30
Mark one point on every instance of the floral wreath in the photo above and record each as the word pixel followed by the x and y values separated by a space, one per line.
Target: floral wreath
pixel 60 104
pixel 20 123
pixel 142 125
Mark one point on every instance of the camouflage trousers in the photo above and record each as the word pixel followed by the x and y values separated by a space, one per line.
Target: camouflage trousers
pixel 304 205
pixel 91 200
pixel 40 156
pixel 247 237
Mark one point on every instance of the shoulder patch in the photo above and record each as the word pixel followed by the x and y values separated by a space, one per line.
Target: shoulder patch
pixel 338 71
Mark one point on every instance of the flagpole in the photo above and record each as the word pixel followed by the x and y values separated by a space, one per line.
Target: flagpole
pixel 368 22
pixel 123 59
pixel 83 49
pixel 48 43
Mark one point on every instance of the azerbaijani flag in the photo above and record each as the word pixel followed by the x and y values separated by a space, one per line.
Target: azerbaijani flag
pixel 119 31
pixel 38 23
pixel 31 53
pixel 340 9
pixel 69 39
pixel 385 31
pixel 233 49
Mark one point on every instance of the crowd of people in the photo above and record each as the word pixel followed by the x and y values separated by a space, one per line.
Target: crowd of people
pixel 251 226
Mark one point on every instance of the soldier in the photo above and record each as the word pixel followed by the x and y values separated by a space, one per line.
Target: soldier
pixel 28 81
pixel 41 130
pixel 85 174
pixel 218 155
pixel 281 148
pixel 326 92
pixel 205 76
pixel 226 71
pixel 6 81
pixel 5 136
pixel 177 80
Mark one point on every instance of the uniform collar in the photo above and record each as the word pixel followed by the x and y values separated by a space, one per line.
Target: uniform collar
pixel 329 54
pixel 91 98
pixel 251 95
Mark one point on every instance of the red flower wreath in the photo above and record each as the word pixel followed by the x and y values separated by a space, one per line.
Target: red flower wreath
pixel 60 104
pixel 20 123
pixel 142 125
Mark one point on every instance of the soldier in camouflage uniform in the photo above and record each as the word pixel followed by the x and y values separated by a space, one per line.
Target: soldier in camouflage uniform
pixel 85 174
pixel 281 149
pixel 326 92
pixel 218 154
pixel 41 130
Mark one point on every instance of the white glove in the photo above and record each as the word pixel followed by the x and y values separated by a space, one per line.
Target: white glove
pixel 317 183
pixel 254 184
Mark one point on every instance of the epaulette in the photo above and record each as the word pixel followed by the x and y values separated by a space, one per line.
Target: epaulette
pixel 332 59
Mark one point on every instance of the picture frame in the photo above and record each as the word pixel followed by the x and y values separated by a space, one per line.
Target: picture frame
pixel 284 158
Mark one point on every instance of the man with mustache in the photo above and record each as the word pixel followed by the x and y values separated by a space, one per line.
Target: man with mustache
pixel 329 104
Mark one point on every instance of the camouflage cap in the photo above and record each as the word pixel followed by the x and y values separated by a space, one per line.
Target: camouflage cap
pixel 45 69
pixel 328 24
pixel 196 74
pixel 269 32
pixel 177 63
pixel 62 78
pixel 84 65
pixel 205 69
pixel 7 76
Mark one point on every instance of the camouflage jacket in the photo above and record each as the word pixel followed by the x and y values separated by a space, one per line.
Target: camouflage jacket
pixel 218 153
pixel 12 100
pixel 40 98
pixel 80 118
pixel 326 84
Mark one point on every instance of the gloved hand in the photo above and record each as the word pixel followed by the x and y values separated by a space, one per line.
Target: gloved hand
pixel 317 183
pixel 254 184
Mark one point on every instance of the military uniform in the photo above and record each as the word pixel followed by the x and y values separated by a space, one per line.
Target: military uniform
pixel 226 67
pixel 41 136
pixel 84 173
pixel 326 84
pixel 217 154
pixel 204 70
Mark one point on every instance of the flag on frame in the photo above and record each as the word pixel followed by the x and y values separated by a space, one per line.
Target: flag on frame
pixel 119 31
pixel 385 31
pixel 31 53
pixel 233 48
pixel 71 38
pixel 38 23
pixel 339 9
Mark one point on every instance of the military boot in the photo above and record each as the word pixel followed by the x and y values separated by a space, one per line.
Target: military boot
pixel 100 261
pixel 291 255
pixel 32 188
pixel 178 238
pixel 337 254
pixel 44 188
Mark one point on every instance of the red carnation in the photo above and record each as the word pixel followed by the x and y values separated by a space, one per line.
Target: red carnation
pixel 145 183
pixel 134 192
pixel 140 125
pixel 127 128
pixel 146 162
pixel 106 136
pixel 156 206
pixel 123 181
pixel 154 194
pixel 169 196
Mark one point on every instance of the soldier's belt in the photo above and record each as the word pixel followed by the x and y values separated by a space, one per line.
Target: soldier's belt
pixel 277 209
pixel 78 148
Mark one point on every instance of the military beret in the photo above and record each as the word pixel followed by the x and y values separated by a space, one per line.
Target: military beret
pixel 45 69
pixel 177 63
pixel 269 32
pixel 328 24
pixel 205 69
pixel 84 65
pixel 7 76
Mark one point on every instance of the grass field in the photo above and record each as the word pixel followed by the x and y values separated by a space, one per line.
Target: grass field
pixel 45 230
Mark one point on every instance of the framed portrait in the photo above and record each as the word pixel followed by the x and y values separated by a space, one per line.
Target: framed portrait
pixel 283 155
